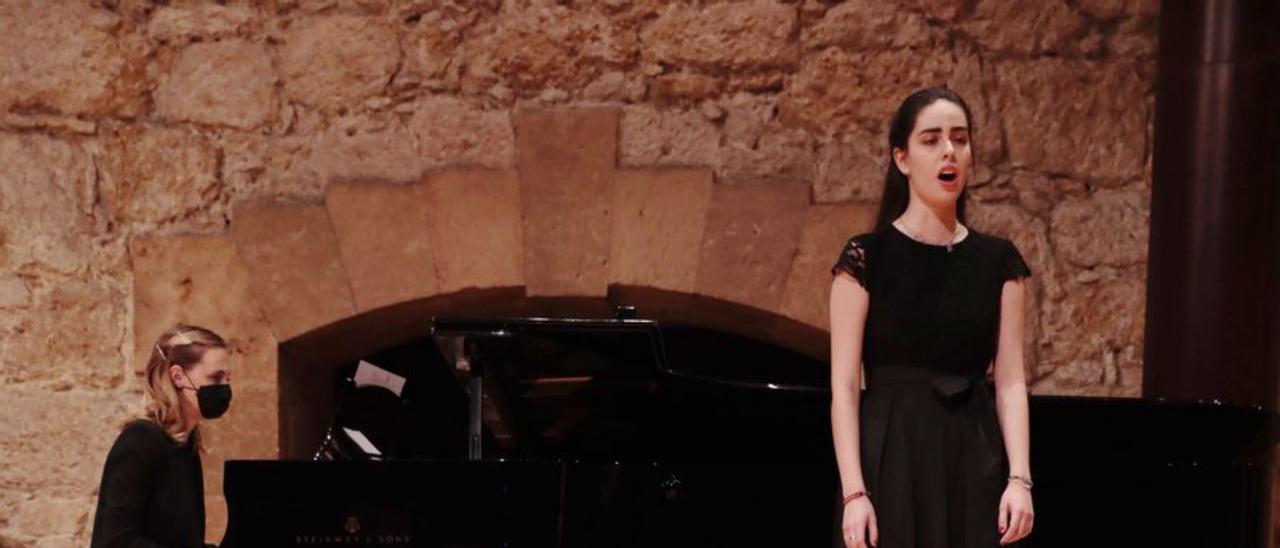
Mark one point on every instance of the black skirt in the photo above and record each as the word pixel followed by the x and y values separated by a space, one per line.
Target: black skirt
pixel 933 459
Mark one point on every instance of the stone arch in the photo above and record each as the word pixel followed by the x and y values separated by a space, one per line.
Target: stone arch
pixel 307 362
pixel 568 229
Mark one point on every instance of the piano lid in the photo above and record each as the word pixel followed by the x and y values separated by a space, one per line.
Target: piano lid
pixel 560 337
pixel 669 350
pixel 582 388
pixel 554 387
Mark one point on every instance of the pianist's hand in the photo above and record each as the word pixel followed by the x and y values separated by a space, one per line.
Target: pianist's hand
pixel 1016 514
pixel 860 523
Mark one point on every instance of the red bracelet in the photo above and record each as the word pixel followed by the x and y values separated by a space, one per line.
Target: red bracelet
pixel 854 495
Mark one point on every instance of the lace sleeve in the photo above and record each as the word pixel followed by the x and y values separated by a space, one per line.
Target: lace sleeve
pixel 1014 266
pixel 852 261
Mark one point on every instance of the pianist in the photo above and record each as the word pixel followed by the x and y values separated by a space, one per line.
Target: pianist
pixel 152 491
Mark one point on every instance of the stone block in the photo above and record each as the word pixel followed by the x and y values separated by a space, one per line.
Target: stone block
pixel 741 35
pixel 658 221
pixel 1001 27
pixel 198 21
pixel 72 335
pixel 68 431
pixel 476 229
pixel 14 292
pixel 850 167
pixel 1137 38
pixel 229 83
pixel 566 160
pixel 46 193
pixel 49 516
pixel 649 136
pixel 453 132
pixel 70 58
pixel 334 62
pixel 431 42
pixel 367 148
pixel 1097 114
pixel 1093 338
pixel 680 86
pixel 158 174
pixel 757 146
pixel 1106 9
pixel 292 255
pixel 868 24
pixel 751 238
pixel 545 46
pixel 384 237
pixel 1110 227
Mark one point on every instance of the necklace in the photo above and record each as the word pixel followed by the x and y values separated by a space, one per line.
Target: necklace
pixel 955 236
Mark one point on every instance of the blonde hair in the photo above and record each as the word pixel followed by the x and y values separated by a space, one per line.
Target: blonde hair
pixel 183 346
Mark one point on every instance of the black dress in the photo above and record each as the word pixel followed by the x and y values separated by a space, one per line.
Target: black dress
pixel 933 456
pixel 152 491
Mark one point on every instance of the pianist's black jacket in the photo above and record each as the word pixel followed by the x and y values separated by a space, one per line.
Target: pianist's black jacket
pixel 152 492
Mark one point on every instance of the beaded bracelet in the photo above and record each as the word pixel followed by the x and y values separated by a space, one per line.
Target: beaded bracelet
pixel 1022 480
pixel 855 495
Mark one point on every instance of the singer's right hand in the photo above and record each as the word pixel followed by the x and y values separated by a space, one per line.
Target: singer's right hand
pixel 860 524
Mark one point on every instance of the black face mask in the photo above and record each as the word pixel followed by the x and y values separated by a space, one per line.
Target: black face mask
pixel 214 399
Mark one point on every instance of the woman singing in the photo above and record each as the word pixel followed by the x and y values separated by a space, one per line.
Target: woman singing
pixel 152 491
pixel 928 457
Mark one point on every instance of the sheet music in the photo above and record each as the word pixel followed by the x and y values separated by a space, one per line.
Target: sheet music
pixel 362 441
pixel 368 374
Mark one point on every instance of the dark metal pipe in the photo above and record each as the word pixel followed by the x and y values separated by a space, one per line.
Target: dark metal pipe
pixel 1213 281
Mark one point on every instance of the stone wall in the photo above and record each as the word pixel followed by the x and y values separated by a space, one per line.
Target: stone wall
pixel 159 160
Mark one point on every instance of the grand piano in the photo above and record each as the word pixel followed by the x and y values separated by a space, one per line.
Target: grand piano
pixel 566 432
